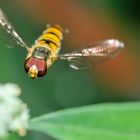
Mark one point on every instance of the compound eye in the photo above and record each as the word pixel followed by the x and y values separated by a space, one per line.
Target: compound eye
pixel 35 67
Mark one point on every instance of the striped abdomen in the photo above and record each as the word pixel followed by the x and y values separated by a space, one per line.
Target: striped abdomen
pixel 52 36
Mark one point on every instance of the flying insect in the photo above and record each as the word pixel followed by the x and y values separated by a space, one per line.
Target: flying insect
pixel 46 49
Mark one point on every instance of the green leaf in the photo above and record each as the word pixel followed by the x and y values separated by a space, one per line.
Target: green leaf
pixel 13 136
pixel 95 122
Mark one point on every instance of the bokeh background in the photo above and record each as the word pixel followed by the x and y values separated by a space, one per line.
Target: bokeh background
pixel 117 80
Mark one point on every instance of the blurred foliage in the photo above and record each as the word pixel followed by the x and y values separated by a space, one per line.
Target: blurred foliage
pixel 126 12
pixel 129 8
pixel 63 87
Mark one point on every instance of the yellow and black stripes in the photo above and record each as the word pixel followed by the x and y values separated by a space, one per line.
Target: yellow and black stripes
pixel 52 36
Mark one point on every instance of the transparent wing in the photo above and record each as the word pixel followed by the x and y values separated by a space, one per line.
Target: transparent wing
pixel 8 36
pixel 94 54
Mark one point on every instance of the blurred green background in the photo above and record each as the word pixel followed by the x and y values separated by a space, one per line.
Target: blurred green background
pixel 117 80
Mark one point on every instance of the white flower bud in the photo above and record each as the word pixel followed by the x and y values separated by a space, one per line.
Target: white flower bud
pixel 14 114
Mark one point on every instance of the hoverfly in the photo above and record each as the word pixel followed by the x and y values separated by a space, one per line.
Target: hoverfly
pixel 45 50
